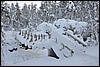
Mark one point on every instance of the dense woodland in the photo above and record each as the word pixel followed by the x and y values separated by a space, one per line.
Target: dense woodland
pixel 13 18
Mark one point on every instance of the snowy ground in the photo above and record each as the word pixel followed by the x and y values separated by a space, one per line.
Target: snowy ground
pixel 39 58
pixel 89 58
pixel 83 56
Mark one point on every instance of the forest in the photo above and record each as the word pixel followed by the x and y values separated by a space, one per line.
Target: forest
pixel 48 31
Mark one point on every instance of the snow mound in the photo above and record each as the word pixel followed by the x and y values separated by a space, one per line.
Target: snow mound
pixel 44 27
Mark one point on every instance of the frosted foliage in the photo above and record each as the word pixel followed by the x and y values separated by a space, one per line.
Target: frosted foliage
pixel 56 33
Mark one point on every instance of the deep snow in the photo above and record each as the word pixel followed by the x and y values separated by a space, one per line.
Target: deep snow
pixel 83 56
pixel 89 58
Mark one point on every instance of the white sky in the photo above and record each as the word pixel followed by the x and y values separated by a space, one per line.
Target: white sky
pixel 21 3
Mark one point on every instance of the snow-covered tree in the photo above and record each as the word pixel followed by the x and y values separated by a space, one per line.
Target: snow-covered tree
pixel 5 12
pixel 62 8
pixel 12 15
pixel 17 21
pixel 25 16
pixel 33 16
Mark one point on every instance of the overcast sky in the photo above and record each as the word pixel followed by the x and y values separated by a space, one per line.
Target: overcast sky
pixel 21 3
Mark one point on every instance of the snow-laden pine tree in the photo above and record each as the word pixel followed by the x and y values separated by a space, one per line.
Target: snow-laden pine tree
pixel 33 16
pixel 3 13
pixel 17 21
pixel 43 9
pixel 51 11
pixel 25 16
pixel 70 10
pixel 62 9
pixel 92 18
pixel 5 18
pixel 12 16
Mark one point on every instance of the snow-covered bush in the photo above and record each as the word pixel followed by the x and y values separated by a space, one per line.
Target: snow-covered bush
pixel 44 27
pixel 66 24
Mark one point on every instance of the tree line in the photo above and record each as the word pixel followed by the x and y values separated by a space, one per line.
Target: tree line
pixel 18 18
